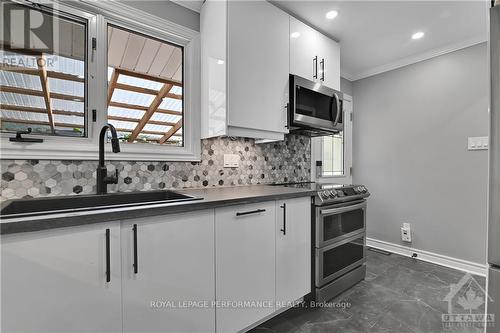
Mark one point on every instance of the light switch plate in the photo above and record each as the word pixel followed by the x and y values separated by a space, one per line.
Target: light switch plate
pixel 231 161
pixel 478 143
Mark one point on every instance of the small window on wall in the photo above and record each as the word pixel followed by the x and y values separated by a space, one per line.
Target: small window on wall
pixel 43 74
pixel 145 88
pixel 333 155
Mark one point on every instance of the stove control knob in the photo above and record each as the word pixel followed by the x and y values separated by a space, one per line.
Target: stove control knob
pixel 323 195
pixel 333 194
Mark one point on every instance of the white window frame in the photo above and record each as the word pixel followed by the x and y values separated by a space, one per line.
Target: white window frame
pixel 317 149
pixel 99 14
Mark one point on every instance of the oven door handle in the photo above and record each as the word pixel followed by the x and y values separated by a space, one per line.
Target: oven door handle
pixel 340 210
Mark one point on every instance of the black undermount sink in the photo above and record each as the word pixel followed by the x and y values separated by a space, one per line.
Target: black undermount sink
pixel 63 204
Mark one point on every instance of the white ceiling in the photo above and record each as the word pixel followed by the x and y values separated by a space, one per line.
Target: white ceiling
pixel 375 36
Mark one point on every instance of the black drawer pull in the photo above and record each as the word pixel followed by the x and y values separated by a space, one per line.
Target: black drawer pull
pixel 108 258
pixel 136 264
pixel 251 212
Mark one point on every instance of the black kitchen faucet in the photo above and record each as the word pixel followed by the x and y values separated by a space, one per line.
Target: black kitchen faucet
pixel 102 173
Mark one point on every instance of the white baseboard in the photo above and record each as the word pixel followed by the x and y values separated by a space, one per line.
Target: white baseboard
pixel 459 264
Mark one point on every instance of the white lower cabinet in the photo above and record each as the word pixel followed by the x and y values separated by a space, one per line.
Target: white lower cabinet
pixel 56 281
pixel 216 270
pixel 293 250
pixel 172 288
pixel 245 264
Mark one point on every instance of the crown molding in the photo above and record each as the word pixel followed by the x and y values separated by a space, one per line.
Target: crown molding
pixel 124 12
pixel 414 59
pixel 189 5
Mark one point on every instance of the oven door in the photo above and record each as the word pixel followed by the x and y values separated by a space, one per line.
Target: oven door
pixel 337 259
pixel 315 106
pixel 336 223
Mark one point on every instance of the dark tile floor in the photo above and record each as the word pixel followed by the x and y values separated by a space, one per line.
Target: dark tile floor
pixel 399 295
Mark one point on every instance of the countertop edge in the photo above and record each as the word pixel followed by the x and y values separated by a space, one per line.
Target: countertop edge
pixel 94 217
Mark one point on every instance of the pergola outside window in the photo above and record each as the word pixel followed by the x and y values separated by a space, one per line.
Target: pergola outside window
pixel 44 89
pixel 138 72
pixel 144 88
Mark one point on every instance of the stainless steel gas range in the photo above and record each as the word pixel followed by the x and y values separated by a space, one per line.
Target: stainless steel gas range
pixel 338 237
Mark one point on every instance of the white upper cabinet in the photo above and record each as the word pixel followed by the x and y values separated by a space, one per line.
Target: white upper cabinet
pixel 245 88
pixel 303 49
pixel 169 258
pixel 313 55
pixel 62 280
pixel 329 62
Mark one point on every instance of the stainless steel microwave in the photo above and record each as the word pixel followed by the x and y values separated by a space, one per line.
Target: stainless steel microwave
pixel 314 109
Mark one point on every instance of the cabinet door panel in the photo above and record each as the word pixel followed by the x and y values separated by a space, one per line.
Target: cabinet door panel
pixel 175 264
pixel 258 65
pixel 303 49
pixel 55 280
pixel 330 52
pixel 245 264
pixel 293 249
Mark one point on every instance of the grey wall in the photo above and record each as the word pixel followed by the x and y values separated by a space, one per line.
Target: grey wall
pixel 410 149
pixel 169 11
pixel 345 86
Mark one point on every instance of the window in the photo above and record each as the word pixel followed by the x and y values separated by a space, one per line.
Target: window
pixel 104 64
pixel 335 151
pixel 333 155
pixel 145 100
pixel 43 77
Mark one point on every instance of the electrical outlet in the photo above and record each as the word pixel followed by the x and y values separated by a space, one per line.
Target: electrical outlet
pixel 478 143
pixel 231 161
pixel 406 232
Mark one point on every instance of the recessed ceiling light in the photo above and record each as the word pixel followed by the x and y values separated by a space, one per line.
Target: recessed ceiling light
pixel 417 35
pixel 332 14
pixel 295 34
pixel 220 62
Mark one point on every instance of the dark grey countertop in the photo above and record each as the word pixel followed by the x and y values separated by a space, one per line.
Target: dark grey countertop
pixel 213 197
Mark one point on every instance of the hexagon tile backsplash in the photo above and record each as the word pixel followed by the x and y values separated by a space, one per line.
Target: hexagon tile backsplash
pixel 284 161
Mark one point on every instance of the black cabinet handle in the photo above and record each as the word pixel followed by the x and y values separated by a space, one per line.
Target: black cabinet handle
pixel 108 258
pixel 284 218
pixel 315 68
pixel 251 212
pixel 287 108
pixel 136 264
pixel 322 63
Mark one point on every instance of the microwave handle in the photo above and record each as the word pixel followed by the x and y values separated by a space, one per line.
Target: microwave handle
pixel 339 109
